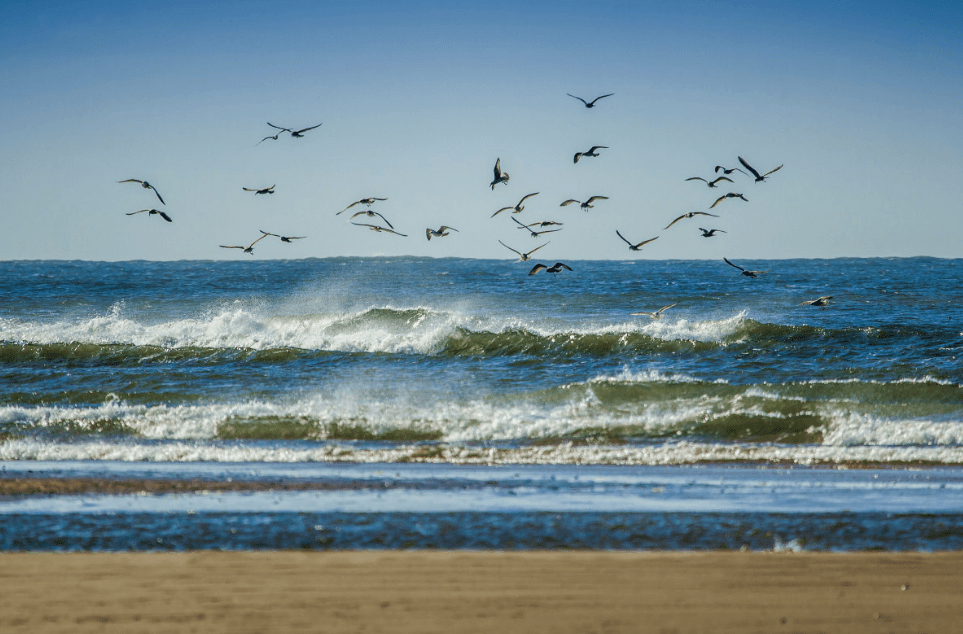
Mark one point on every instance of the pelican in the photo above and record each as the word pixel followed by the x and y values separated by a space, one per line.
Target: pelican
pixel 523 256
pixel 657 314
pixel 517 208
pixel 500 176
pixel 587 204
pixel 297 134
pixel 759 178
pixel 708 233
pixel 589 104
pixel 151 212
pixel 145 185
pixel 555 268
pixel 727 171
pixel 591 152
pixel 265 190
pixel 379 229
pixel 745 272
pixel 249 248
pixel 441 233
pixel 710 183
pixel 729 195
pixel 364 201
pixel 819 301
pixel 690 215
pixel 534 233
pixel 636 247
pixel 370 214
pixel 283 238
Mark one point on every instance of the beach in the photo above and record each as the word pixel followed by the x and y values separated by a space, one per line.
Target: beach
pixel 392 591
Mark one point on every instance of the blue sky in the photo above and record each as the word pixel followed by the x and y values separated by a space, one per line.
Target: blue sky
pixel 861 103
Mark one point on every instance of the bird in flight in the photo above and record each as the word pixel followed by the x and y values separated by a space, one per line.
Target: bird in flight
pixel 370 214
pixel 441 233
pixel 544 223
pixel 759 178
pixel 363 201
pixel 379 229
pixel 263 190
pixel 727 170
pixel 151 212
pixel 554 269
pixel 708 233
pixel 534 233
pixel 587 204
pixel 274 138
pixel 656 314
pixel 744 271
pixel 819 301
pixel 283 238
pixel 500 176
pixel 589 104
pixel 591 152
pixel 297 134
pixel 729 195
pixel 635 247
pixel 517 208
pixel 523 256
pixel 145 185
pixel 249 248
pixel 710 183
pixel 690 215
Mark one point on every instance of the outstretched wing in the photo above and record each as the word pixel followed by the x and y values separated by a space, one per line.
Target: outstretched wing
pixel 749 167
pixel 623 237
pixel 697 178
pixel 131 180
pixel 538 267
pixel 642 244
pixel 501 210
pixel 721 178
pixel 562 265
pixel 158 195
pixel 383 218
pixel 702 213
pixel 676 220
pixel 498 168
pixel 598 147
pixel 537 248
pixel 594 198
pixel 569 202
pixel 524 198
pixel 165 216
pixel 347 208
pixel 735 265
pixel 579 98
pixel 269 234
pixel 306 129
pixel 771 171
pixel 602 97
pixel 509 248
pixel 578 155
pixel 277 127
pixel 719 200
pixel 131 213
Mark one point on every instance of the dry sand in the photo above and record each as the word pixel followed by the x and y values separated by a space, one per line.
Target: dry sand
pixel 453 592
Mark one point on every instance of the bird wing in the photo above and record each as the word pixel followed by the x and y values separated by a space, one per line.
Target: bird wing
pixel 735 265
pixel 524 198
pixel 347 208
pixel 697 178
pixel 428 233
pixel 296 237
pixel 644 313
pixel 771 171
pixel 521 224
pixel 721 178
pixel 646 242
pixel 270 136
pixel 131 213
pixel 277 127
pixel 383 218
pixel 578 155
pixel 158 195
pixel 165 216
pixel 598 147
pixel 569 202
pixel 223 246
pixel 367 224
pixel 718 200
pixel 563 265
pixel 501 210
pixel 602 97
pixel 269 234
pixel 676 220
pixel 594 198
pixel 131 180
pixel 536 248
pixel 579 98
pixel 749 167
pixel 702 213
pixel 665 308
pixel 623 237
pixel 509 248
pixel 535 234
pixel 443 227
pixel 538 267
pixel 498 168
pixel 256 241
pixel 306 129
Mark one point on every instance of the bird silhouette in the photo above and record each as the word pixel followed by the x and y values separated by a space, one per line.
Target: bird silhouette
pixel 819 301
pixel 589 104
pixel 554 269
pixel 500 176
pixel 729 195
pixel 379 229
pixel 441 233
pixel 586 205
pixel 759 178
pixel 638 246
pixel 523 256
pixel 708 233
pixel 727 171
pixel 690 215
pixel 516 208
pixel 746 272
pixel 151 212
pixel 656 314
pixel 274 138
pixel 370 214
pixel 534 233
pixel 249 249
pixel 591 152
pixel 263 190
pixel 145 185
pixel 710 183
pixel 297 134
pixel 364 201
pixel 283 238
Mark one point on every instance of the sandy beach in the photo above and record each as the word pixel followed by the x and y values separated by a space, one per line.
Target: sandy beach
pixel 391 591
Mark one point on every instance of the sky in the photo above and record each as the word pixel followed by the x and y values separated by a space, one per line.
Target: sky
pixel 861 102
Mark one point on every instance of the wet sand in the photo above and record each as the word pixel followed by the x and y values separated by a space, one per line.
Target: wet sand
pixel 453 592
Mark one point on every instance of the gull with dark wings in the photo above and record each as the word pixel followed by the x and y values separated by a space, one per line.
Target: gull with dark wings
pixel 249 248
pixel 151 212
pixel 591 152
pixel 819 301
pixel 638 246
pixel 710 183
pixel 500 176
pixel 516 208
pixel 283 238
pixel 708 233
pixel 554 269
pixel 370 214
pixel 746 272
pixel 523 256
pixel 145 185
pixel 364 201
pixel 586 205
pixel 656 314
pixel 729 195
pixel 297 134
pixel 441 233
pixel 690 215
pixel 759 178
pixel 728 170
pixel 534 233
pixel 379 229
pixel 589 104
pixel 263 190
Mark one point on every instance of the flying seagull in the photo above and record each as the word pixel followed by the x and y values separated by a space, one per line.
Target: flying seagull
pixel 710 183
pixel 274 138
pixel 727 171
pixel 370 214
pixel 264 190
pixel 534 233
pixel 729 195
pixel 657 314
pixel 145 185
pixel 745 272
pixel 523 256
pixel 297 134
pixel 379 229
pixel 708 233
pixel 555 268
pixel 690 215
pixel 500 176
pixel 441 233
pixel 283 238
pixel 364 201
pixel 589 104
pixel 587 204
pixel 636 247
pixel 819 301
pixel 151 212
pixel 759 178
pixel 544 223
pixel 517 208
pixel 249 248
pixel 591 152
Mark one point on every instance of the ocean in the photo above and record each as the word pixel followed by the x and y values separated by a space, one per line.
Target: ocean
pixel 461 366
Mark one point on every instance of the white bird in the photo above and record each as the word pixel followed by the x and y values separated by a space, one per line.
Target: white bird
pixel 636 247
pixel 364 201
pixel 516 208
pixel 759 178
pixel 591 152
pixel 151 212
pixel 441 233
pixel 819 301
pixel 297 134
pixel 500 176
pixel 710 183
pixel 589 104
pixel 656 314
pixel 745 272
pixel 249 248
pixel 145 185
pixel 283 238
pixel 587 204
pixel 379 229
pixel 263 190
pixel 555 268
pixel 729 195
pixel 523 256
pixel 690 215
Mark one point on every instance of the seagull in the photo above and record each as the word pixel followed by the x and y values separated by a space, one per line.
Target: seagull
pixel 151 212
pixel 379 229
pixel 500 176
pixel 589 104
pixel 690 215
pixel 275 138
pixel 759 178
pixel 745 272
pixel 729 195
pixel 555 268
pixel 819 301
pixel 145 185
pixel 591 152
pixel 728 171
pixel 283 238
pixel 441 233
pixel 265 190
pixel 587 204
pixel 708 233
pixel 636 247
pixel 370 214
pixel 544 223
pixel 363 201
pixel 517 208
pixel 657 314
pixel 535 234
pixel 297 134
pixel 249 248
pixel 523 256
pixel 710 183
